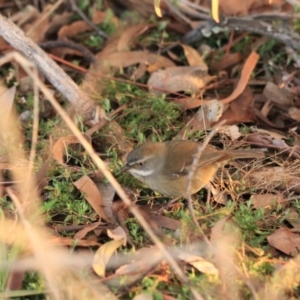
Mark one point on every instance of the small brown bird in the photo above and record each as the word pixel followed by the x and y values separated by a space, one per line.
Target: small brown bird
pixel 164 167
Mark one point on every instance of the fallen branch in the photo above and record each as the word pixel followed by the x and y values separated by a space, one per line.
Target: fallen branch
pixel 81 102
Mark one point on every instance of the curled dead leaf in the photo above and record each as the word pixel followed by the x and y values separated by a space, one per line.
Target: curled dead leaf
pixel 37 30
pixel 93 196
pixel 59 148
pixel 194 58
pixel 232 131
pixel 247 70
pixel 117 234
pixel 103 254
pixel 285 241
pixel 190 102
pixel 293 217
pixel 178 79
pixel 294 113
pixel 240 110
pixel 73 29
pixel 129 35
pixel 266 200
pixel 199 263
pixel 128 58
pixel 207 114
pixel 278 95
pixel 85 230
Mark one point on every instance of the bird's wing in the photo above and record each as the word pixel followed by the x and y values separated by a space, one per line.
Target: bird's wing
pixel 181 166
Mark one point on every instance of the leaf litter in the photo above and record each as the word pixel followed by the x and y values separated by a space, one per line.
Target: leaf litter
pixel 271 186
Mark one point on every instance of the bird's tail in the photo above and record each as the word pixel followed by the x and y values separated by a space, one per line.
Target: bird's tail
pixel 246 153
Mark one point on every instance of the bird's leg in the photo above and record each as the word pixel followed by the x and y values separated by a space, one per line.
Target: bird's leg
pixel 208 188
pixel 201 204
pixel 218 195
pixel 169 204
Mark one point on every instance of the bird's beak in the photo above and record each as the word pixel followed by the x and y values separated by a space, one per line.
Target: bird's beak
pixel 124 169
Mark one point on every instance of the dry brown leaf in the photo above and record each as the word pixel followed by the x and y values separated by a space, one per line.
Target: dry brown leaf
pixel 100 16
pixel 199 263
pixel 92 195
pixel 293 217
pixel 190 102
pixel 117 234
pixel 266 200
pixel 237 7
pixel 232 131
pixel 59 148
pixel 278 95
pixel 95 82
pixel 240 110
pixel 245 76
pixel 267 141
pixel 37 30
pixel 41 174
pixel 208 114
pixel 128 36
pixel 285 241
pixel 294 113
pixel 103 254
pixel 58 21
pixel 139 72
pixel 159 63
pixel 166 222
pixel 128 58
pixel 115 136
pixel 107 192
pixel 178 79
pixel 77 27
pixel 73 29
pixel 25 15
pixel 125 59
pixel 174 56
pixel 84 231
pixel 227 61
pixel 194 58
pixel 273 134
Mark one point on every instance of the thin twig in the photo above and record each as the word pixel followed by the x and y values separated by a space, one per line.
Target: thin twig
pixel 36 243
pixel 194 166
pixel 86 19
pixel 35 129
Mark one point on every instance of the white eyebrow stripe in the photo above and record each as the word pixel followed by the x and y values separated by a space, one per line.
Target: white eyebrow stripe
pixel 141 172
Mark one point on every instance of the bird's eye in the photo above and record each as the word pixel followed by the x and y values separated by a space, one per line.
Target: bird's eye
pixel 140 164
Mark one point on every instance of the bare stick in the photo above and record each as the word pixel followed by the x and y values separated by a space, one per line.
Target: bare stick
pixel 83 105
pixel 85 19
